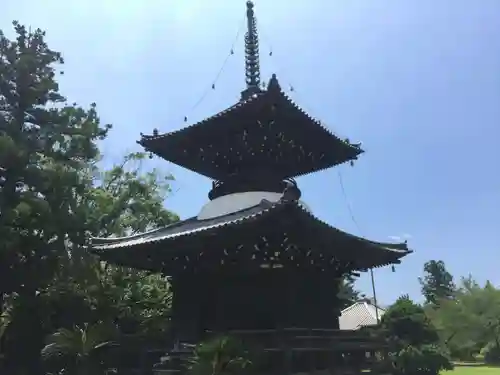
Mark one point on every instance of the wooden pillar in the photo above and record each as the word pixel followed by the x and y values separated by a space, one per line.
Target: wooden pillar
pixel 175 314
pixel 287 352
pixel 290 321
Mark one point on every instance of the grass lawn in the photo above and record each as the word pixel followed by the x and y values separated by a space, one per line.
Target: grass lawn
pixel 473 369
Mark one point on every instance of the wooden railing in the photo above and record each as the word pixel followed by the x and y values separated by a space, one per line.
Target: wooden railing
pixel 291 350
pixel 312 339
pixel 304 349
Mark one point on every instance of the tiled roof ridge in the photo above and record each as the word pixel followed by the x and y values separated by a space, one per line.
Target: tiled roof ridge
pixel 264 205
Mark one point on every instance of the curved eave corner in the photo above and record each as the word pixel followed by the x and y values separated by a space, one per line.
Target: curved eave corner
pixel 145 139
pixel 276 88
pixel 397 250
pixel 398 247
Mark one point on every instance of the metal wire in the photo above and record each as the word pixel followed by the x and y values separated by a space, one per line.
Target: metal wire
pixel 219 73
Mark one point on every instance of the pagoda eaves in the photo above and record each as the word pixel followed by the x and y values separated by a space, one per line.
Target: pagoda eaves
pixel 170 249
pixel 266 132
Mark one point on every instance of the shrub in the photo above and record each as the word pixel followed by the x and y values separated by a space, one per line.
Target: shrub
pixel 414 343
pixel 425 359
pixel 219 356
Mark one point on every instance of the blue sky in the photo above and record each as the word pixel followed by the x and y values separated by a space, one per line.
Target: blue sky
pixel 417 81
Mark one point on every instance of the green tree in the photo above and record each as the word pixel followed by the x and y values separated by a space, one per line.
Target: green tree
pixel 123 200
pixel 437 283
pixel 348 294
pixel 53 197
pixel 128 199
pixel 414 343
pixel 44 144
pixel 471 321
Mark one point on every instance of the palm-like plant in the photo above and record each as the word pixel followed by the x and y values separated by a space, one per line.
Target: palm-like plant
pixel 78 351
pixel 5 320
pixel 219 356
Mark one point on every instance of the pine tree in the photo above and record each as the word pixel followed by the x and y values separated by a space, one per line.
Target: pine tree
pixel 437 283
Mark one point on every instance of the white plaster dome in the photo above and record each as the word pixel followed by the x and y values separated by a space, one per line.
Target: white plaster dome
pixel 235 202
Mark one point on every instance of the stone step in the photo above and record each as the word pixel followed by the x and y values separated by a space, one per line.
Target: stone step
pixel 174 361
pixel 166 372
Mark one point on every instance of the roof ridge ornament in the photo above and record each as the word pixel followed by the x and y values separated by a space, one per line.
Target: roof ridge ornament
pixel 291 193
pixel 252 65
pixel 273 84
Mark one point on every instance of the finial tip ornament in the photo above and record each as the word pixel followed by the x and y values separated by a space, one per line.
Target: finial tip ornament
pixel 249 4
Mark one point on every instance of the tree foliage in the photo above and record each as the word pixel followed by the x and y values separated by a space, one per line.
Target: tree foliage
pixel 437 283
pixel 88 291
pixel 44 144
pixel 54 195
pixel 127 199
pixel 220 356
pixel 348 294
pixel 471 321
pixel 415 347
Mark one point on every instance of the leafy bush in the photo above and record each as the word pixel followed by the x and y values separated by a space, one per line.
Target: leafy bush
pixel 414 342
pixel 425 359
pixel 406 321
pixel 220 356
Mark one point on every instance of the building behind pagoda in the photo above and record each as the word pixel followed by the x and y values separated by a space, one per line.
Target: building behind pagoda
pixel 255 262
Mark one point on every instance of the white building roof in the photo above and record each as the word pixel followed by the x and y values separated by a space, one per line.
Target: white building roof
pixel 359 315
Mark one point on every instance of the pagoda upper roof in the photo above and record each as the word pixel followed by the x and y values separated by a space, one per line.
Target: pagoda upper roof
pixel 265 132
pixel 174 246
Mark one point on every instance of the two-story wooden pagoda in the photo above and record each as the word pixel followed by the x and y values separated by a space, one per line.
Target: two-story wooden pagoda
pixel 255 257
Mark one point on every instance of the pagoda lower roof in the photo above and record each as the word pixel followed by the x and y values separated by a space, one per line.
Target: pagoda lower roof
pixel 239 236
pixel 265 132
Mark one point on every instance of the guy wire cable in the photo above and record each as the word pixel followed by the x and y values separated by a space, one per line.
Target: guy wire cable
pixel 281 72
pixel 351 213
pixel 217 76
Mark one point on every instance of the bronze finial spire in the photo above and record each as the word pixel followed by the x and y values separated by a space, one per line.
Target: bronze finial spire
pixel 252 67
